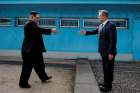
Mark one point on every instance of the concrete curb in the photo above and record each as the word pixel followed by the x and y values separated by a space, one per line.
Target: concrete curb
pixel 85 81
pixel 16 54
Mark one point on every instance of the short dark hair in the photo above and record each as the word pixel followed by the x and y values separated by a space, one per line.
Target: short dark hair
pixel 104 12
pixel 34 13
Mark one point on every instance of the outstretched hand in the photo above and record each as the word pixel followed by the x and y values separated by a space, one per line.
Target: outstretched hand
pixel 82 32
pixel 54 30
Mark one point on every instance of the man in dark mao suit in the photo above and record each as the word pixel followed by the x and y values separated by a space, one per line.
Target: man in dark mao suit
pixel 32 51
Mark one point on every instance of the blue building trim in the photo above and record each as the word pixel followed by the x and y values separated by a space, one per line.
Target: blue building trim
pixel 70 2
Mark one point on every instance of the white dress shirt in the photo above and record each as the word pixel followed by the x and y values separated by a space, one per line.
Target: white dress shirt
pixel 102 25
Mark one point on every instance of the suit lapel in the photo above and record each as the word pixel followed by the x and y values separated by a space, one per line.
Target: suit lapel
pixel 105 26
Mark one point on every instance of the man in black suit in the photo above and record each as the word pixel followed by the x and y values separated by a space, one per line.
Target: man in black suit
pixel 107 48
pixel 32 51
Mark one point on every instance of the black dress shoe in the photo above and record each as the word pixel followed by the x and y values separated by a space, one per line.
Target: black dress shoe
pixel 101 84
pixel 104 88
pixel 44 80
pixel 24 85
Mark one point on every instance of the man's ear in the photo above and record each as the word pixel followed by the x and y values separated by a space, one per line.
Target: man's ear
pixel 31 17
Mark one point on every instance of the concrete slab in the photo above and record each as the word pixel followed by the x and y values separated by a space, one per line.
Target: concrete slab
pixel 62 82
pixel 85 81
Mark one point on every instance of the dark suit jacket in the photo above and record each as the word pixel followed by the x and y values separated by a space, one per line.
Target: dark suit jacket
pixel 107 38
pixel 33 41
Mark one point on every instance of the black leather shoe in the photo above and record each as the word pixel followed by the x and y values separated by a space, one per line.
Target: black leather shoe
pixel 24 85
pixel 101 84
pixel 104 88
pixel 50 77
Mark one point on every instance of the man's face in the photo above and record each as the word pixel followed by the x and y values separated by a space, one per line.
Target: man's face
pixel 36 18
pixel 102 17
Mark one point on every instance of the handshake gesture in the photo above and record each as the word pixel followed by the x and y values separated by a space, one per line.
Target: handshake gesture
pixel 54 30
pixel 82 32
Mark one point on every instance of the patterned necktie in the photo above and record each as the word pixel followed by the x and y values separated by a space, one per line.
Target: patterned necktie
pixel 100 28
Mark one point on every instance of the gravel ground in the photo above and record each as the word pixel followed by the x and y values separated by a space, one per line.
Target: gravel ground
pixel 126 76
pixel 62 81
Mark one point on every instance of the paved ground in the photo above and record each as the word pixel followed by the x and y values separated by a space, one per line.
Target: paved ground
pixel 62 82
pixel 126 76
pixel 85 81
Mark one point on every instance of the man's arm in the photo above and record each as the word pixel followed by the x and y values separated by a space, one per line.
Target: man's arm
pixel 38 30
pixel 113 39
pixel 92 32
pixel 45 31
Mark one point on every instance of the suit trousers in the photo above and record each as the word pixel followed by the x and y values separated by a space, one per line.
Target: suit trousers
pixel 108 69
pixel 30 61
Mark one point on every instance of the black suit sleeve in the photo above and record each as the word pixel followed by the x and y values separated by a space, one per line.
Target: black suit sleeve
pixel 113 39
pixel 39 30
pixel 92 32
pixel 45 31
